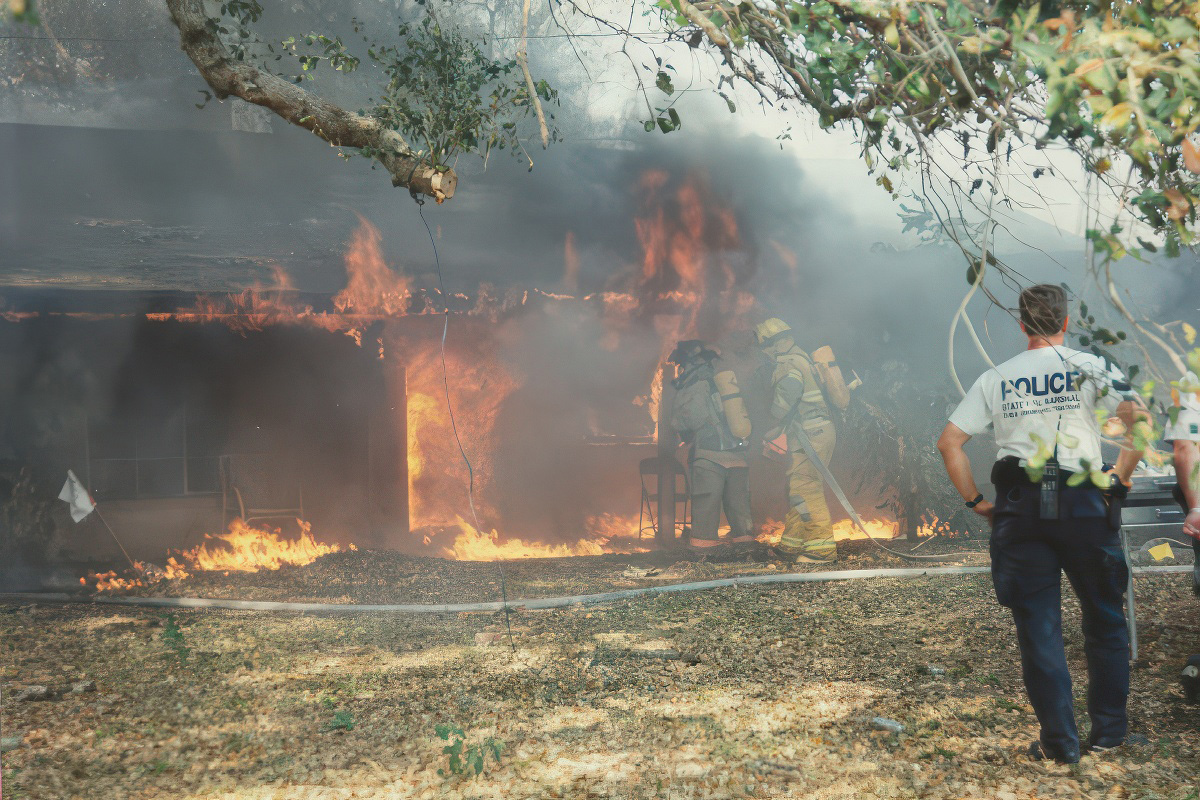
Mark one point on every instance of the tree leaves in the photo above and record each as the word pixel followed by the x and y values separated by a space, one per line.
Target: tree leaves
pixel 1108 84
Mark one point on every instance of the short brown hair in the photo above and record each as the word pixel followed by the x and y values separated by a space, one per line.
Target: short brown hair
pixel 1043 309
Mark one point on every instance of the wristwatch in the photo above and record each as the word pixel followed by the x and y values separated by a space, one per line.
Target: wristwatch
pixel 976 501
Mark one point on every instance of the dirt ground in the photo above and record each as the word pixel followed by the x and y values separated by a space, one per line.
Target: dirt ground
pixel 736 692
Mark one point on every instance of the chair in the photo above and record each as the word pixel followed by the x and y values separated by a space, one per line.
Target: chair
pixel 654 468
pixel 257 487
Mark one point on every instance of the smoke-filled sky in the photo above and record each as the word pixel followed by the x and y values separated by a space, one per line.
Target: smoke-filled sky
pixel 192 205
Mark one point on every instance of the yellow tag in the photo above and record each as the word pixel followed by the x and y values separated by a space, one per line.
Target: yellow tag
pixel 1161 551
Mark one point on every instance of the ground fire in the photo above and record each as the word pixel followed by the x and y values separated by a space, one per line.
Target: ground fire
pixel 243 548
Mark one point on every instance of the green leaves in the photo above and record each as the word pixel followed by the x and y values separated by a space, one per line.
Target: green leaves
pixel 440 91
pixel 666 121
pixel 21 11
pixel 1111 84
pixel 172 635
pixel 341 721
pixel 443 92
pixel 464 757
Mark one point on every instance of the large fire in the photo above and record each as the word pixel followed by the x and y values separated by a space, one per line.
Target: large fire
pixel 690 282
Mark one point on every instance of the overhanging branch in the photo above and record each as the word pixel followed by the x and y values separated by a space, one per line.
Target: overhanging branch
pixel 228 77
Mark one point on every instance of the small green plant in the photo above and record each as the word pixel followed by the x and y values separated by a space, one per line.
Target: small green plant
pixel 465 758
pixel 342 721
pixel 1007 705
pixel 173 635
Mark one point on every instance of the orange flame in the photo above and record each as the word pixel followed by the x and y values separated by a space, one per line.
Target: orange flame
pixel 843 530
pixel 371 287
pixel 252 549
pixel 472 545
pixel 247 549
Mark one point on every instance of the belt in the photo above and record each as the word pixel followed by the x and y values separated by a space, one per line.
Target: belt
pixel 1017 495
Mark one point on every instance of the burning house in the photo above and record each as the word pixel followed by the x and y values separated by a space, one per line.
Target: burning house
pixel 369 418
pixel 305 377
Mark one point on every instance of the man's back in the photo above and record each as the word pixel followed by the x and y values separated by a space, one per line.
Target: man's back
pixel 1039 393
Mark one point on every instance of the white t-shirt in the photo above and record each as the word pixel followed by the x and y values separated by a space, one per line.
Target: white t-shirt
pixel 1040 392
pixel 1187 420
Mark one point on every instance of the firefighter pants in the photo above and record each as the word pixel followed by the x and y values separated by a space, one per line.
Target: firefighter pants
pixel 807 528
pixel 715 487
pixel 1028 557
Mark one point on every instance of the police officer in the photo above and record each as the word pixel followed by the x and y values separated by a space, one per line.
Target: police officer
pixel 1042 408
pixel 709 413
pixel 1183 430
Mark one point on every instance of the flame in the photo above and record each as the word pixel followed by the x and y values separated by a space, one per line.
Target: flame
pixel 373 292
pixel 771 531
pixel 252 549
pixel 424 413
pixel 570 263
pixel 372 288
pixel 472 545
pixel 246 549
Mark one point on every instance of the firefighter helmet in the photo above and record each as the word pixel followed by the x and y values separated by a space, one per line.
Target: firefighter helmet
pixel 691 350
pixel 771 331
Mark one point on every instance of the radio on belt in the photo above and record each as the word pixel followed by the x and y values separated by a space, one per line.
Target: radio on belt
pixel 1048 507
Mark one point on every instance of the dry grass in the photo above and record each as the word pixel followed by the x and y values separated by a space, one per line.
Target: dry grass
pixel 241 705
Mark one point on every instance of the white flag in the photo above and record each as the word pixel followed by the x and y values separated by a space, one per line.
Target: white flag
pixel 76 497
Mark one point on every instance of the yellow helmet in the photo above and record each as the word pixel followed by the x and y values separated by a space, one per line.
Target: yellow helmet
pixel 770 330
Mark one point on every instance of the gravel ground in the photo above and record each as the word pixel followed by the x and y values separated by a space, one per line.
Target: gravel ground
pixel 738 692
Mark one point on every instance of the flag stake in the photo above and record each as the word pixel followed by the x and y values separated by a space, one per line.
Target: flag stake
pixel 115 539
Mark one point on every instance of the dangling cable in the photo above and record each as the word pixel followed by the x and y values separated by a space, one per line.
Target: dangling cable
pixel 453 423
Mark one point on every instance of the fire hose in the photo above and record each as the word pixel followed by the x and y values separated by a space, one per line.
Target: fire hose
pixel 529 604
pixel 811 452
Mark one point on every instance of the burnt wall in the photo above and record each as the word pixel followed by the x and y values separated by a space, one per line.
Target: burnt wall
pixel 151 413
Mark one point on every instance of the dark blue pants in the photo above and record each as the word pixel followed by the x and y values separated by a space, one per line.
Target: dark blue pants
pixel 1028 556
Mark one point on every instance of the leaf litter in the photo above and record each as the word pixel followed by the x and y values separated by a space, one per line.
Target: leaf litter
pixel 771 691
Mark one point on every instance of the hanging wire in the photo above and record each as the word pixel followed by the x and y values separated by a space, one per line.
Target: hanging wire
pixel 454 423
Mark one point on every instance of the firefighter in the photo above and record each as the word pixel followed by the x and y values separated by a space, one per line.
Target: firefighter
pixel 1042 408
pixel 1183 431
pixel 709 414
pixel 798 401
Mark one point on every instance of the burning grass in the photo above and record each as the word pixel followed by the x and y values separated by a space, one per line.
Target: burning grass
pixel 367 576
pixel 772 695
pixel 243 548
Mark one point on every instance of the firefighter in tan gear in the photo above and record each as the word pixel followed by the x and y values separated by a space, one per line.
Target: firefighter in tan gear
pixel 799 383
pixel 709 413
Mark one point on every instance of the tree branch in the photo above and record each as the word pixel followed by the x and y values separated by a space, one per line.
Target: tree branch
pixel 523 60
pixel 697 18
pixel 229 77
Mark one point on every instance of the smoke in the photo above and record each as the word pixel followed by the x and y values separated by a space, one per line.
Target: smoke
pixel 727 227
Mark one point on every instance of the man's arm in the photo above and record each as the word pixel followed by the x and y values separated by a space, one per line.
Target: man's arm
pixel 1132 415
pixel 1187 461
pixel 958 466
